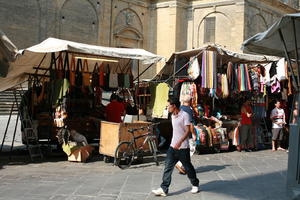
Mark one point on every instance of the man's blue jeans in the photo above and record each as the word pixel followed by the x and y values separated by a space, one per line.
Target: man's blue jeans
pixel 173 156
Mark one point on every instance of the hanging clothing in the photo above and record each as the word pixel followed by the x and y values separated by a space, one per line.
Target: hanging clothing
pixel 267 77
pixel 194 69
pixel 219 91
pixel 225 89
pixel 273 70
pixel 248 82
pixel 275 85
pixel 161 100
pixel 229 72
pixel 254 80
pixel 281 69
pixel 209 69
pixel 189 90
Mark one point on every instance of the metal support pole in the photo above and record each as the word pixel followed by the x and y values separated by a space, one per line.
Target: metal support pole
pixel 288 58
pixel 14 136
pixel 143 71
pixel 138 83
pixel 174 70
pixel 7 125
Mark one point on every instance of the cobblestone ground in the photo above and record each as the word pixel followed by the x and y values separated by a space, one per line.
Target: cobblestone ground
pixel 256 175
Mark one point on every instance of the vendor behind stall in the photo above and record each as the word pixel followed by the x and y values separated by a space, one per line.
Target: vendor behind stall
pixel 115 110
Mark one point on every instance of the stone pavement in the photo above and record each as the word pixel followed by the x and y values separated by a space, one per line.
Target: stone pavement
pixel 256 175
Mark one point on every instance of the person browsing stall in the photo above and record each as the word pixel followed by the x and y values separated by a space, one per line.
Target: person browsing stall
pixel 246 127
pixel 178 150
pixel 115 110
pixel 278 120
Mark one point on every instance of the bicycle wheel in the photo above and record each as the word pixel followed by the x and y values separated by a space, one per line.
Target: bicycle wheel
pixel 153 150
pixel 124 155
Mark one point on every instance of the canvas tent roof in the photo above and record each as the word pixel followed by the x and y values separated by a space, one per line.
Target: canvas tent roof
pixel 8 53
pixel 224 54
pixel 32 57
pixel 270 43
pixel 281 39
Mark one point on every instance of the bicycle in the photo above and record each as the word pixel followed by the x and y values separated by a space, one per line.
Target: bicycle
pixel 127 151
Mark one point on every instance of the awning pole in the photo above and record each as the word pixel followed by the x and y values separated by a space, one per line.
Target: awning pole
pixel 288 58
pixel 174 70
pixel 296 49
pixel 138 83
pixel 16 125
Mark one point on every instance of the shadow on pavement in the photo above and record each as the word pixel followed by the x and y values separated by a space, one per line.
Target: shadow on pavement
pixel 210 168
pixel 258 187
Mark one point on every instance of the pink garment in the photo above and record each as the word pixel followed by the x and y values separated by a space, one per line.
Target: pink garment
pixel 275 87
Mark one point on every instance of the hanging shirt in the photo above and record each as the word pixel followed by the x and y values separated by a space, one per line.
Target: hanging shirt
pixel 161 100
pixel 277 115
pixel 267 77
pixel 281 69
pixel 194 69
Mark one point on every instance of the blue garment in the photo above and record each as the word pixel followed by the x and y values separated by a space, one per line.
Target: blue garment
pixel 188 110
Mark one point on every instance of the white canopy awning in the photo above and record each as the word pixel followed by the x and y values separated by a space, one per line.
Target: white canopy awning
pixel 224 54
pixel 40 55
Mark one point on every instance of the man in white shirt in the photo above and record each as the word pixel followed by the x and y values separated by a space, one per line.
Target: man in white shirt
pixel 178 151
pixel 278 120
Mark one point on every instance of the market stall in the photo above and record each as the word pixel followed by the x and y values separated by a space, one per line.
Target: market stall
pixel 65 84
pixel 218 82
pixel 281 39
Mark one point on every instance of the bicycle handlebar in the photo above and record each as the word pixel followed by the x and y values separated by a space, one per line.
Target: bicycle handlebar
pixel 132 130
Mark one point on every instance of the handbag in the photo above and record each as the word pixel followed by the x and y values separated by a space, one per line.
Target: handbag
pixel 113 79
pixel 59 70
pixel 66 67
pixel 101 76
pixel 52 70
pixel 95 76
pixel 106 78
pixel 121 78
pixel 85 74
pixel 72 72
pixel 78 74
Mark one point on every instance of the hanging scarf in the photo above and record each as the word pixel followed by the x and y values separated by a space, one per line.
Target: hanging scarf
pixel 208 72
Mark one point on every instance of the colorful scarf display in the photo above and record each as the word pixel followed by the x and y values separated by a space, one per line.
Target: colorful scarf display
pixel 209 69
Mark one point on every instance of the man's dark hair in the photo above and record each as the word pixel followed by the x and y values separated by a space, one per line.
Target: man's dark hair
pixel 114 97
pixel 175 102
pixel 276 101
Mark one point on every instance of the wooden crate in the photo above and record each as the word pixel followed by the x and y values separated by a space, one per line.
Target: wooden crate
pixel 114 133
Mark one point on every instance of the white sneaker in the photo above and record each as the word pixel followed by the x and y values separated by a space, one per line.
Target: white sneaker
pixel 159 192
pixel 195 189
